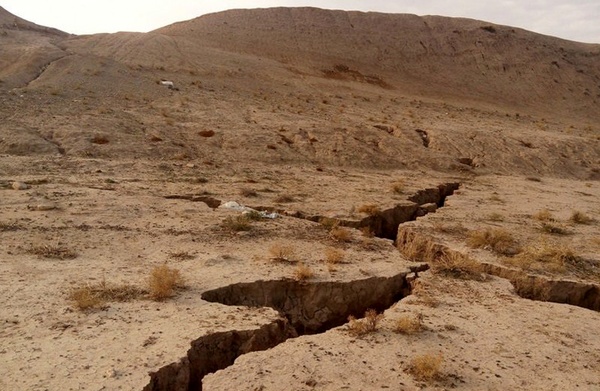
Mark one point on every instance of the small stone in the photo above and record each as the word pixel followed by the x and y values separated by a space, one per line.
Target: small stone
pixel 190 165
pixel 20 186
pixel 45 206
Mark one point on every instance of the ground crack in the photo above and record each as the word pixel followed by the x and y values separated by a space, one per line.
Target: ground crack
pixel 306 308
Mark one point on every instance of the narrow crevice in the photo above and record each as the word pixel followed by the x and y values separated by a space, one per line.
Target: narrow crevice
pixel 540 288
pixel 424 137
pixel 305 308
pixel 422 248
pixel 211 202
pixel 385 223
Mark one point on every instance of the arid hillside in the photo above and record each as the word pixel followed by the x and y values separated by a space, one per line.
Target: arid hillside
pixel 308 85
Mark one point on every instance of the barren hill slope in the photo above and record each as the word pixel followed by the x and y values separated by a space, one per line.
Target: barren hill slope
pixel 25 48
pixel 315 86
pixel 431 55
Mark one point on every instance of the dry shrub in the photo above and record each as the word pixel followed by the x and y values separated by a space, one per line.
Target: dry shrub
pixel 497 240
pixel 303 273
pixel 163 282
pixel 86 297
pixel 426 367
pixel 237 223
pixel 340 234
pixel 421 248
pixel 544 215
pixel 417 247
pixel 366 325
pixel 53 252
pixel 398 187
pixel 554 228
pixel 548 257
pixel 369 209
pixel 334 255
pixel 408 324
pixel 578 217
pixel 282 252
pixel 458 265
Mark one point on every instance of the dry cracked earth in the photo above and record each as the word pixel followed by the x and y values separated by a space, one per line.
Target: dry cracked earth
pixel 330 213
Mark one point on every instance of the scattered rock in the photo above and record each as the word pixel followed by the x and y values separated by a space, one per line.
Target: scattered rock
pixel 20 186
pixel 43 206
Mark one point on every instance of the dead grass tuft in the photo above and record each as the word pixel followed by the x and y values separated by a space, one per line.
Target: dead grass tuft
pixel 366 325
pixel 237 223
pixel 84 299
pixel 458 265
pixel 578 217
pixel 53 252
pixel 497 240
pixel 340 234
pixel 303 273
pixel 426 367
pixel 282 252
pixel 334 255
pixel 369 209
pixel 417 247
pixel 544 215
pixel 163 282
pixel 548 257
pixel 408 324
pixel 398 187
pixel 88 296
pixel 422 248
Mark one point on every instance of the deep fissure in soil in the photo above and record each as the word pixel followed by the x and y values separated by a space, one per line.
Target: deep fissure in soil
pixel 306 308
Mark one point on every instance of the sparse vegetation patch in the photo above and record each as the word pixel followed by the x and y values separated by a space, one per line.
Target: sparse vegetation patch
pixel 163 282
pixel 96 296
pixel 366 325
pixel 497 240
pixel 237 223
pixel 578 217
pixel 426 367
pixel 406 324
pixel 303 272
pixel 282 252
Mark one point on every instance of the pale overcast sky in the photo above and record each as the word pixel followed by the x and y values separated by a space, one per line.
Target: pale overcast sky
pixel 577 20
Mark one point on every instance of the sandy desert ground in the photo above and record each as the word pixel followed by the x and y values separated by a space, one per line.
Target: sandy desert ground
pixel 447 180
